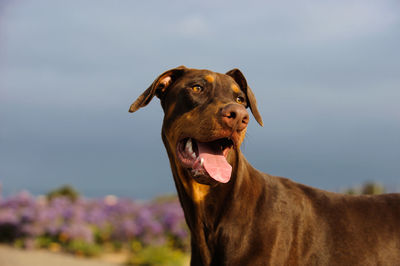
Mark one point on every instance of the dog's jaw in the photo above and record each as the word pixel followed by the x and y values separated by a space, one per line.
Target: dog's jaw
pixel 206 161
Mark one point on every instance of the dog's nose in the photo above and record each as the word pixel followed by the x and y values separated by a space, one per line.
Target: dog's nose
pixel 235 116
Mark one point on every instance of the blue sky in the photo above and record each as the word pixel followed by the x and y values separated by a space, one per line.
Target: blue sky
pixel 325 73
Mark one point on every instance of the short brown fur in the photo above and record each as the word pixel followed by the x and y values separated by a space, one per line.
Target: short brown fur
pixel 256 218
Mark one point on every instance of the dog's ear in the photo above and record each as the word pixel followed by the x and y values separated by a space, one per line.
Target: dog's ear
pixel 237 75
pixel 158 87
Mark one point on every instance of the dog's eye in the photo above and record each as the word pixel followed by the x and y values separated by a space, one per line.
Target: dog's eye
pixel 197 88
pixel 240 99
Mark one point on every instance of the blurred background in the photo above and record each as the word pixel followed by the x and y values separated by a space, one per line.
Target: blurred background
pixel 326 76
pixel 325 73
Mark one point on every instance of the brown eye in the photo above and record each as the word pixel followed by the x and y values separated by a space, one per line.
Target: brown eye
pixel 197 88
pixel 240 99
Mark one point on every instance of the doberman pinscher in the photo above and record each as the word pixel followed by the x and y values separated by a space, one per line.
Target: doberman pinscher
pixel 240 216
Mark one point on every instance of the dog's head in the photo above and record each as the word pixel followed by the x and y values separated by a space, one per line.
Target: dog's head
pixel 205 119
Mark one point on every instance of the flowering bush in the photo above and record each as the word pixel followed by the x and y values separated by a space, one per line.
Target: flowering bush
pixel 87 225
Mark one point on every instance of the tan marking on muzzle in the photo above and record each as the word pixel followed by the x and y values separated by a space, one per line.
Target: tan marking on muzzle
pixel 242 136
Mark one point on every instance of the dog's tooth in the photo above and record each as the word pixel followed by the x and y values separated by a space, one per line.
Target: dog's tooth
pixel 188 146
pixel 190 150
pixel 195 163
pixel 193 155
pixel 201 162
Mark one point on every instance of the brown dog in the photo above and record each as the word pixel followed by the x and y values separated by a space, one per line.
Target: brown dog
pixel 240 216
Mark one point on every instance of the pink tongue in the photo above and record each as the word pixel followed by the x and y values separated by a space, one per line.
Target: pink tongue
pixel 215 163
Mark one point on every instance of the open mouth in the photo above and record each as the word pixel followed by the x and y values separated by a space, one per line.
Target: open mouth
pixel 206 158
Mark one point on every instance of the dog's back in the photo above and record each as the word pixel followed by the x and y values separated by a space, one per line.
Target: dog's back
pixel 346 229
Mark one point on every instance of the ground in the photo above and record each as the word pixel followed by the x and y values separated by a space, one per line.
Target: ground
pixel 10 256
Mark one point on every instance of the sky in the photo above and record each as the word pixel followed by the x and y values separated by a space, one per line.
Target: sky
pixel 325 74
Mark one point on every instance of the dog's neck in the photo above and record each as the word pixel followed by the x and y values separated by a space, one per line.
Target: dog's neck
pixel 207 202
pixel 205 206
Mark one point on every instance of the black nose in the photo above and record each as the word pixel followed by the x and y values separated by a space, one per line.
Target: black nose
pixel 235 116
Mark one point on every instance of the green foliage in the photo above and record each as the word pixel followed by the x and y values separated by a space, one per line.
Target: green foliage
pixel 351 191
pixel 82 248
pixel 64 191
pixel 166 198
pixel 163 255
pixel 19 243
pixel 44 241
pixel 369 188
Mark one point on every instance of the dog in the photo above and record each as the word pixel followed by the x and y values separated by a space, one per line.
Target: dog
pixel 238 215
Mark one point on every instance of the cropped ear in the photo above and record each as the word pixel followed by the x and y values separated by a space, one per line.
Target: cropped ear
pixel 237 75
pixel 158 88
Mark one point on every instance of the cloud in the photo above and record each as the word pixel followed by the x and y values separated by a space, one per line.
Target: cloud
pixel 338 20
pixel 192 26
pixel 308 21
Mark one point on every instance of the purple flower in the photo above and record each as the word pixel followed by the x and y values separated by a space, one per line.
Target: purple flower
pixel 8 216
pixel 77 231
pixel 112 218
